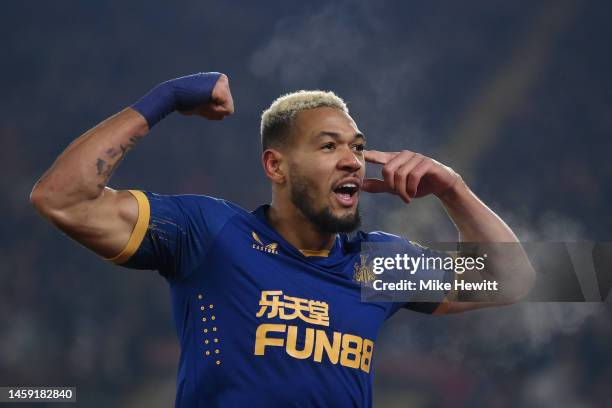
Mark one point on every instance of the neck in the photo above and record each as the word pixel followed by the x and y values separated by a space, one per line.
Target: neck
pixel 293 226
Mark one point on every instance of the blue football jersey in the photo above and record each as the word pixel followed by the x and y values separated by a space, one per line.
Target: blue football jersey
pixel 261 323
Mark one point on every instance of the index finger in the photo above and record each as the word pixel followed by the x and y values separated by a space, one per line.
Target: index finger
pixel 375 156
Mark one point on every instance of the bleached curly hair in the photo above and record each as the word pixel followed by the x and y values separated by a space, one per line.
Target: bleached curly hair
pixel 277 118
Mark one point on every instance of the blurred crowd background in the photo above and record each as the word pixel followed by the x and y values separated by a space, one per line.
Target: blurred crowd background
pixel 514 95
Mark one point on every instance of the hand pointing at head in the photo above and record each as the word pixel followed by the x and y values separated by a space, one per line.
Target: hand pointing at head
pixel 409 175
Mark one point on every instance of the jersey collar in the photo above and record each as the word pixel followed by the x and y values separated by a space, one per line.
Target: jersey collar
pixel 322 257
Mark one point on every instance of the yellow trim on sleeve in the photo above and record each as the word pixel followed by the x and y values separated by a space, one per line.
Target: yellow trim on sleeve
pixel 442 308
pixel 445 304
pixel 138 233
pixel 309 252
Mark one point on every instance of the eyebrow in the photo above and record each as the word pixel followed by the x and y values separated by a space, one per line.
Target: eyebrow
pixel 336 135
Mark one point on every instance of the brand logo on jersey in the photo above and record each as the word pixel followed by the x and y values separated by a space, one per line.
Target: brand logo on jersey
pixel 270 248
pixel 346 349
pixel 363 272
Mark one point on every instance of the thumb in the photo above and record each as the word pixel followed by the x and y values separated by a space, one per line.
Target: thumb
pixel 371 185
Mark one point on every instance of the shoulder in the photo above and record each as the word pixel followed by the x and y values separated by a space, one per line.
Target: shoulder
pixel 392 241
pixel 195 204
pixel 376 236
pixel 201 214
pixel 355 242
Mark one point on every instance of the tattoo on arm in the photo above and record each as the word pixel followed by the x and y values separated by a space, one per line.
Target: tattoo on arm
pixel 105 168
pixel 100 166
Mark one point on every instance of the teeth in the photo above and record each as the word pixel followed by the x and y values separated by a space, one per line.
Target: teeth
pixel 349 185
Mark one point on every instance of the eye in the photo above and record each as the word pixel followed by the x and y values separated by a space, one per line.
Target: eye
pixel 359 147
pixel 330 146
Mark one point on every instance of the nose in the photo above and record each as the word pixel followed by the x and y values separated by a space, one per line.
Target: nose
pixel 349 161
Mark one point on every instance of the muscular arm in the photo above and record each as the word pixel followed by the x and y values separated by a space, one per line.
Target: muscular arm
pixel 507 262
pixel 73 193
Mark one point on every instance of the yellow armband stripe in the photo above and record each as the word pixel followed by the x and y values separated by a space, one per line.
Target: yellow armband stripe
pixel 138 233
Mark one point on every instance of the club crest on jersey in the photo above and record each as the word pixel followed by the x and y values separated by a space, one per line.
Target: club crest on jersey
pixel 270 248
pixel 363 272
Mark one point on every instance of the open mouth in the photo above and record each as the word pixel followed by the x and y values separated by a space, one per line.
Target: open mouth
pixel 346 193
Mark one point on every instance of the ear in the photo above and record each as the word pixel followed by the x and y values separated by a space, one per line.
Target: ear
pixel 273 164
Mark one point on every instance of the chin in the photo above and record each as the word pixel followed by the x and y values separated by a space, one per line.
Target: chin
pixel 340 220
pixel 345 213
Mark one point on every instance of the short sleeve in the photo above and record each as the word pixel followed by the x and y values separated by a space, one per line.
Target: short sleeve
pixel 415 250
pixel 173 232
pixel 437 274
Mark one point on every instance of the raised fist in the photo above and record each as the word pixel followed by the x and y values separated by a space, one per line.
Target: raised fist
pixel 218 106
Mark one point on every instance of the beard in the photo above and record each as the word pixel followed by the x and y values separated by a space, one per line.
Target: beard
pixel 324 220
